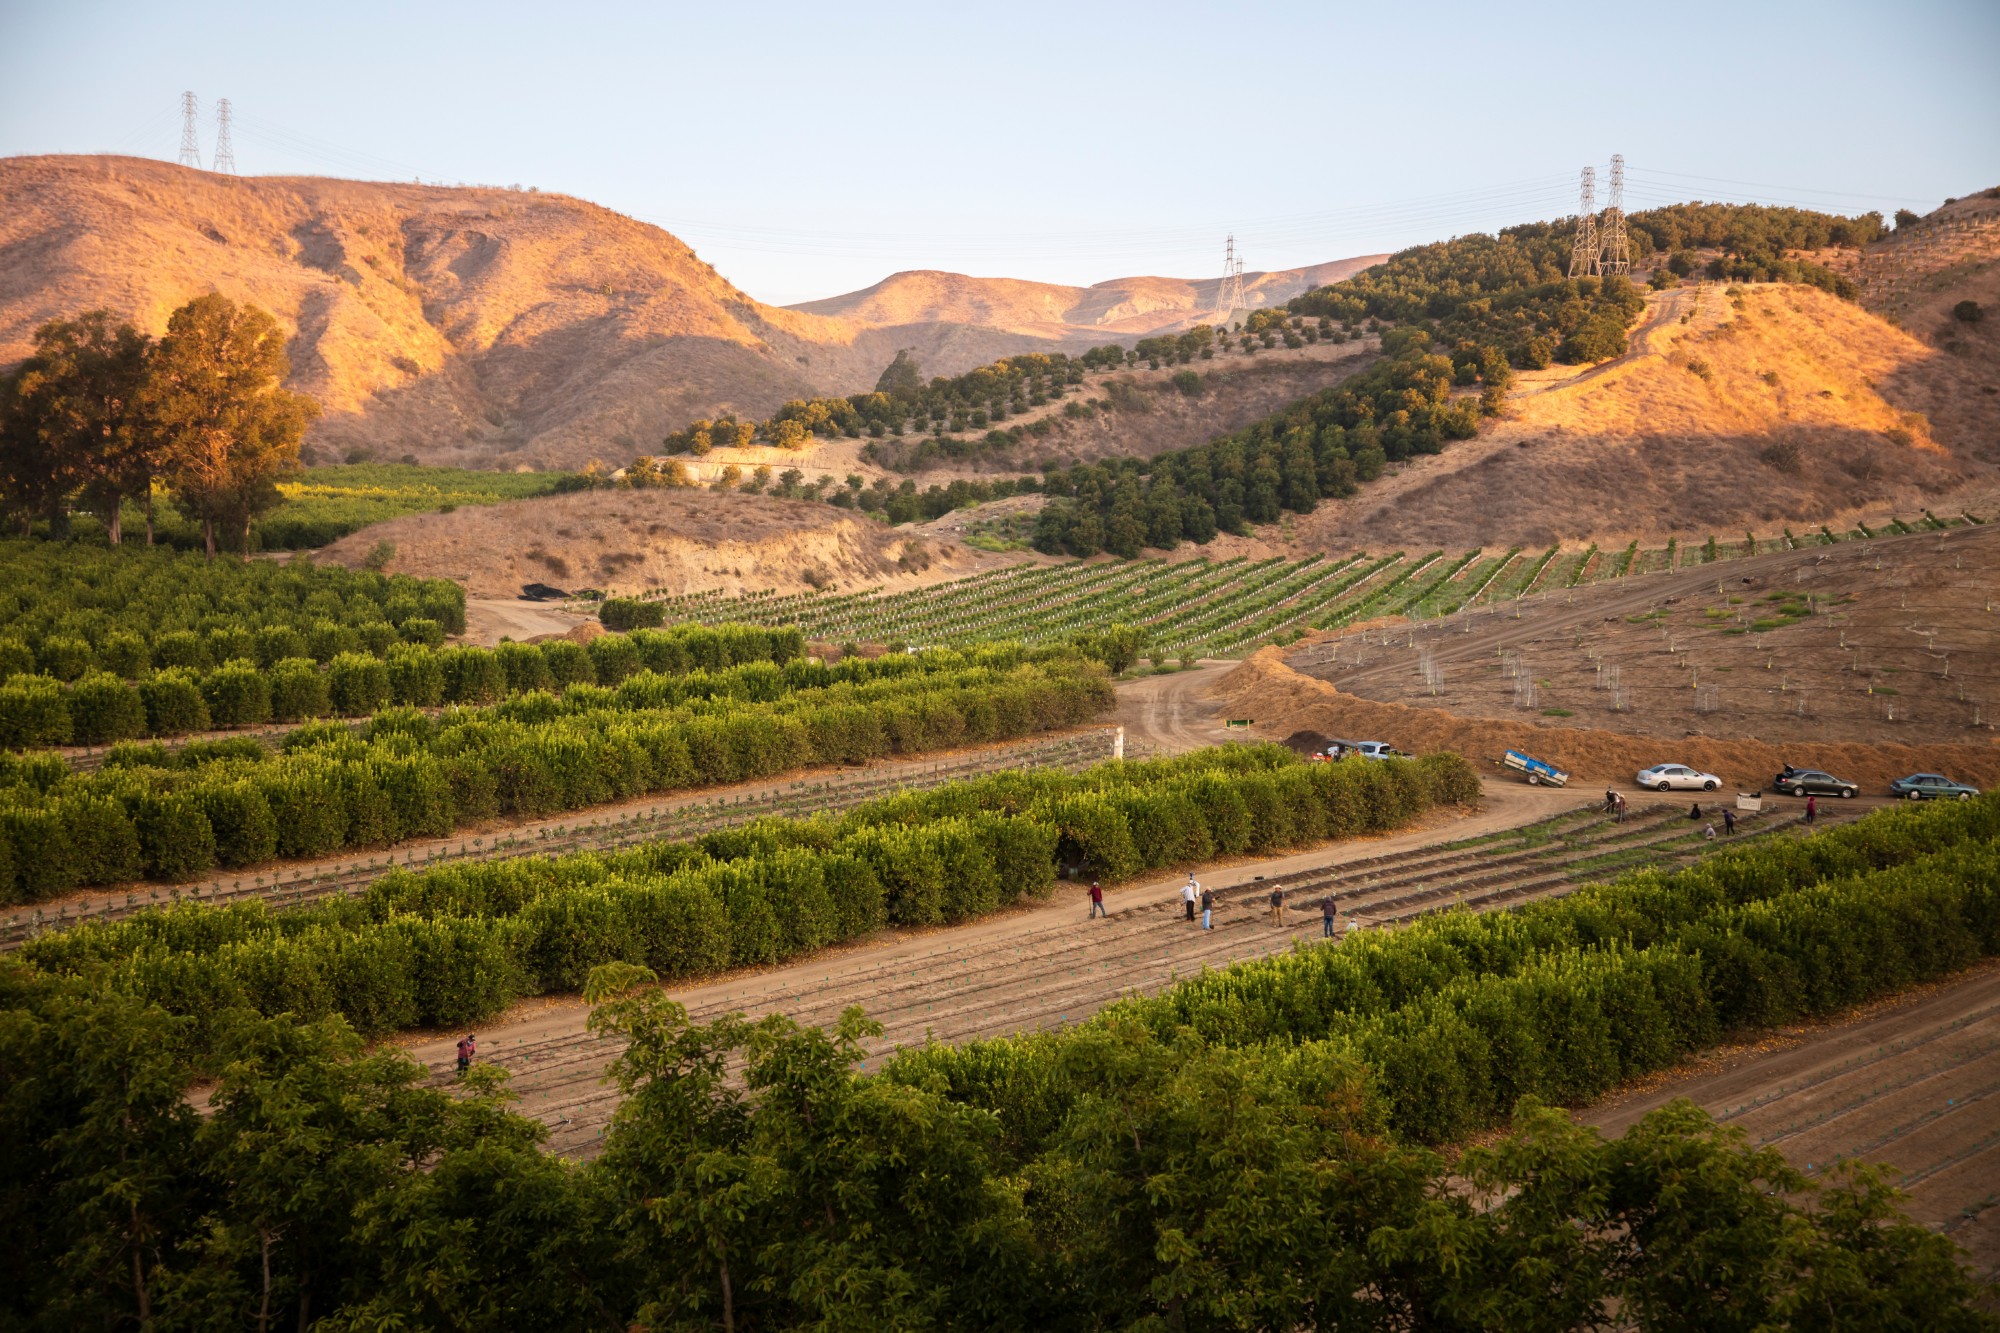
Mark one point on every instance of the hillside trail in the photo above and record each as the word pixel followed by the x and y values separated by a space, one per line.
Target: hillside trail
pixel 1027 967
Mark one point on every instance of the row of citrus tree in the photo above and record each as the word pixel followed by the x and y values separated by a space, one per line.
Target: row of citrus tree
pixel 451 945
pixel 1458 1017
pixel 93 595
pixel 176 815
pixel 285 681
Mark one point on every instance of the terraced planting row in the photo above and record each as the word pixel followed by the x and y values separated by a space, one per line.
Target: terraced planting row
pixel 958 987
pixel 673 819
pixel 1203 608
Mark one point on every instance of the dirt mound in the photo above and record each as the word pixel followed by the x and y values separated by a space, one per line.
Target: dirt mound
pixel 630 541
pixel 1781 405
pixel 1307 742
pixel 1280 699
pixel 1139 305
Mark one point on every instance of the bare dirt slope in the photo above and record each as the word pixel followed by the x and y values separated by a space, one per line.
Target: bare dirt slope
pixel 677 540
pixel 482 327
pixel 1783 404
pixel 1700 684
pixel 1137 306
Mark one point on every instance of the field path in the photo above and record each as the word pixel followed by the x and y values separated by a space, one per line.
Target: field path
pixel 1044 964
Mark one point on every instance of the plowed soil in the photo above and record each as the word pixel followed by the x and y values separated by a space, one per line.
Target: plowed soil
pixel 1889 664
pixel 1913 1082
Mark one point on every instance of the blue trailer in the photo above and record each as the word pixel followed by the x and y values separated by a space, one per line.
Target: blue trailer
pixel 1538 773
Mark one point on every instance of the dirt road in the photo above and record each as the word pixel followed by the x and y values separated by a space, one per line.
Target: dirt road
pixel 490 619
pixel 1167 714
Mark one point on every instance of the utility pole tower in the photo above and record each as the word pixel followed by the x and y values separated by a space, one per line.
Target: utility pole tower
pixel 190 141
pixel 1583 252
pixel 1617 250
pixel 225 156
pixel 1229 295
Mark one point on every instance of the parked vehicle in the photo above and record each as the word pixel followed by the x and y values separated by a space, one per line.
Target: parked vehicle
pixel 1538 772
pixel 1813 782
pixel 1365 749
pixel 1670 777
pixel 1931 787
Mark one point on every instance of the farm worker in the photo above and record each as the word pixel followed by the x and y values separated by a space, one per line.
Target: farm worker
pixel 1097 900
pixel 1694 811
pixel 1621 808
pixel 1328 911
pixel 1728 820
pixel 1709 833
pixel 468 1046
pixel 1812 809
pixel 1278 906
pixel 1207 907
pixel 1610 801
pixel 1189 891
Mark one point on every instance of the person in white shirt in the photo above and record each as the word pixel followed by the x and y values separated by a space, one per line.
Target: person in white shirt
pixel 1189 891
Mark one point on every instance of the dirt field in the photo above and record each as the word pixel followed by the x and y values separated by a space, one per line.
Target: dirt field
pixel 1910 1082
pixel 1043 964
pixel 1893 670
pixel 679 540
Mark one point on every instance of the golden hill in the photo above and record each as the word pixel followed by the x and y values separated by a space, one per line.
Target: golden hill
pixel 481 327
pixel 1779 405
pixel 1133 306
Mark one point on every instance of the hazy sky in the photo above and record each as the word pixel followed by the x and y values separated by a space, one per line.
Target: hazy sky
pixel 811 149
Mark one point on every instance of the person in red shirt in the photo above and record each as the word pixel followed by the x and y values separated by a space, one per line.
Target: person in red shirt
pixel 1097 901
pixel 468 1046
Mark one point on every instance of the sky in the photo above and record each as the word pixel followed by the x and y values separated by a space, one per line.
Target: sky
pixel 811 149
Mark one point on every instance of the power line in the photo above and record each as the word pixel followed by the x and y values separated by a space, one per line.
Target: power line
pixel 225 156
pixel 190 141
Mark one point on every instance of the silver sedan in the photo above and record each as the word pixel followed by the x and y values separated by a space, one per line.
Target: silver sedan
pixel 1671 777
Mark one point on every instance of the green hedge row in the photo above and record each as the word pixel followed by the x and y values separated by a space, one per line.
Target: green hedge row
pixel 410 776
pixel 98 708
pixel 450 945
pixel 72 608
pixel 1457 1017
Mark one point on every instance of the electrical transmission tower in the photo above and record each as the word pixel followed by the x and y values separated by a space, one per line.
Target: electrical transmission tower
pixel 1229 295
pixel 190 141
pixel 225 156
pixel 1583 253
pixel 1617 250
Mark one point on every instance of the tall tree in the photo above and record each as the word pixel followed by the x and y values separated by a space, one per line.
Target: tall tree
pixel 73 420
pixel 228 428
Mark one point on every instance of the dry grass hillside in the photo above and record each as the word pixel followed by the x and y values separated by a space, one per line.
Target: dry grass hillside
pixel 677 540
pixel 1134 306
pixel 479 327
pixel 1919 275
pixel 1779 405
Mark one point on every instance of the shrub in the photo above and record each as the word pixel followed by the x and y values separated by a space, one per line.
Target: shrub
pixel 416 676
pixel 15 659
pixel 568 664
pixel 358 684
pixel 613 657
pixel 238 695
pixel 124 654
pixel 299 690
pixel 1968 312
pixel 246 833
pixel 423 630
pixel 65 657
pixel 33 711
pixel 175 840
pixel 629 613
pixel 103 709
pixel 472 675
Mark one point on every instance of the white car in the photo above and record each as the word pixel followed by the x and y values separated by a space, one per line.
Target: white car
pixel 1667 777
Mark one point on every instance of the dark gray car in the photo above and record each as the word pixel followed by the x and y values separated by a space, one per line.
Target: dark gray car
pixel 1813 782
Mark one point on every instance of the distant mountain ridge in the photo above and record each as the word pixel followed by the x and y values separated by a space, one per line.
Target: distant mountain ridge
pixel 1134 306
pixel 500 328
